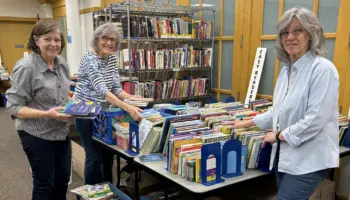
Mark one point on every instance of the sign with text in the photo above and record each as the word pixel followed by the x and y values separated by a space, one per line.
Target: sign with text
pixel 255 76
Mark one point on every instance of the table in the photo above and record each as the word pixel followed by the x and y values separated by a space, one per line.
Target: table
pixel 201 191
pixel 195 188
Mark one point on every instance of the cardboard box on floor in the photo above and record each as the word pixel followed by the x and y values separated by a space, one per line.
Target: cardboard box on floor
pixel 78 159
pixel 325 191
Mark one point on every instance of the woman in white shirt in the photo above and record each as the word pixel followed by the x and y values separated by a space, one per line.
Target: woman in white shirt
pixel 305 108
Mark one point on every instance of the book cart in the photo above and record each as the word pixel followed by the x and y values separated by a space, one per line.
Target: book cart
pixel 138 24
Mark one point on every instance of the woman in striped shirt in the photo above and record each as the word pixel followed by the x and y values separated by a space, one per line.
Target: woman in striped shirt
pixel 98 80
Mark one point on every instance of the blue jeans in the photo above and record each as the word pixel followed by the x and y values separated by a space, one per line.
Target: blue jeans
pixel 98 161
pixel 51 166
pixel 298 187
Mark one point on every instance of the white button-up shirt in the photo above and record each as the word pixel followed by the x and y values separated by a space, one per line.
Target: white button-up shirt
pixel 307 115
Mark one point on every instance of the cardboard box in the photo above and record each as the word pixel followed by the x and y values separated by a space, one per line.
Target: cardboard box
pixel 78 159
pixel 325 191
pixel 328 190
pixel 316 195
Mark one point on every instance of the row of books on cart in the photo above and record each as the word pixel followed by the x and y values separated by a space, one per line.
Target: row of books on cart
pixel 191 133
pixel 194 137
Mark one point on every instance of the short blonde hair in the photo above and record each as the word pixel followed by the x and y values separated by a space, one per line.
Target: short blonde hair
pixel 102 30
pixel 312 26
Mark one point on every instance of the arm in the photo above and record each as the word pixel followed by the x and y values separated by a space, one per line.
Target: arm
pixel 264 121
pixel 20 94
pixel 323 95
pixel 97 80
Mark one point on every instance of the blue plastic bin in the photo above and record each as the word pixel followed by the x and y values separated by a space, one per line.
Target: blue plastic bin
pixel 103 125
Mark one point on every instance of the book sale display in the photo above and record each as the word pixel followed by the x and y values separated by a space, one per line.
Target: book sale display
pixel 161 48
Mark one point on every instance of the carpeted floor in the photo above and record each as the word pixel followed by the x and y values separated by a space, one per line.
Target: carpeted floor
pixel 16 180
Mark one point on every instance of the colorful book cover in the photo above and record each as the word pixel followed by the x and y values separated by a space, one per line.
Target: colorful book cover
pixel 79 107
pixel 211 168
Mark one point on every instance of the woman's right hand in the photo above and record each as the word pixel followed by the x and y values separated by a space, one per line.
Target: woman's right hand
pixel 134 112
pixel 237 123
pixel 54 113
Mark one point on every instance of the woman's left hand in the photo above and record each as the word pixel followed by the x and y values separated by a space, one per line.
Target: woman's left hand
pixel 270 137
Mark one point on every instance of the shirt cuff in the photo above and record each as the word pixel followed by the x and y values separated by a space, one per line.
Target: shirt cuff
pixel 292 140
pixel 261 121
pixel 117 91
pixel 13 110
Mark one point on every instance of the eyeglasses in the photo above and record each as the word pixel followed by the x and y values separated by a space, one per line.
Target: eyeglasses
pixel 106 39
pixel 296 32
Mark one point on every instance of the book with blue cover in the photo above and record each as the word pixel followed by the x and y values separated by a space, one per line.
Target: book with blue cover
pixel 79 107
pixel 82 109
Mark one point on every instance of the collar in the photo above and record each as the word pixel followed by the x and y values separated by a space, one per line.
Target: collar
pixel 302 61
pixel 43 67
pixel 98 56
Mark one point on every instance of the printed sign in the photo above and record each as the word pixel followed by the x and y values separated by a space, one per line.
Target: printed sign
pixel 255 76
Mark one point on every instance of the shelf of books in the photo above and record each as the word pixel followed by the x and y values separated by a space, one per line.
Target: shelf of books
pixel 158 42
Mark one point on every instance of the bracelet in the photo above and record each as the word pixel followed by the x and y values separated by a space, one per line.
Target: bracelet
pixel 278 136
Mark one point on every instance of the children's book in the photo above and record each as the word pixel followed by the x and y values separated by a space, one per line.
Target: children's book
pixel 81 108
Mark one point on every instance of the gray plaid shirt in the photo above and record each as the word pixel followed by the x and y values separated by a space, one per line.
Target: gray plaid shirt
pixel 35 86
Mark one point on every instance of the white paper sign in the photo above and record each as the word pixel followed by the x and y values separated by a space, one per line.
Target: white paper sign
pixel 255 76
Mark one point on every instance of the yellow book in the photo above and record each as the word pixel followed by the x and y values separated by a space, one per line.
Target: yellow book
pixel 198 170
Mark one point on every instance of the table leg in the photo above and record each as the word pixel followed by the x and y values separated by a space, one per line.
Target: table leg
pixel 137 182
pixel 118 171
pixel 166 192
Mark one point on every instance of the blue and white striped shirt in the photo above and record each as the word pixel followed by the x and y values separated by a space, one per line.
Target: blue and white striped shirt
pixel 307 116
pixel 96 76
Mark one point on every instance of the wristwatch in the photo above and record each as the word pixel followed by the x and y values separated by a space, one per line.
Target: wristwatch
pixel 278 136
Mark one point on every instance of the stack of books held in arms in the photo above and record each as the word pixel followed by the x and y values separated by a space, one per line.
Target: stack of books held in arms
pixel 82 109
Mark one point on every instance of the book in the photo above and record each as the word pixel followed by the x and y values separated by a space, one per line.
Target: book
pixel 154 157
pixel 94 192
pixel 136 103
pixel 81 108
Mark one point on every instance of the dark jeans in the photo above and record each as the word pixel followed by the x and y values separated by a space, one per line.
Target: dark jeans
pixel 51 166
pixel 98 161
pixel 298 187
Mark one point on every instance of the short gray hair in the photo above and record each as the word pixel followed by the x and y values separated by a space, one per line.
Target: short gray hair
pixel 310 23
pixel 102 30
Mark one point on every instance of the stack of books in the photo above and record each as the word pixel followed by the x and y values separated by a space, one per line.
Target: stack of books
pixel 136 103
pixel 82 109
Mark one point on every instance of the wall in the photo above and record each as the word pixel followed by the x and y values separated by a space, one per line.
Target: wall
pixel 19 8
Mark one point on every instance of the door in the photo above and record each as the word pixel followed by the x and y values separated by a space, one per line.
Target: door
pixel 13 41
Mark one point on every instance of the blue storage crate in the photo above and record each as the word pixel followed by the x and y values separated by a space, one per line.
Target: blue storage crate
pixel 103 125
